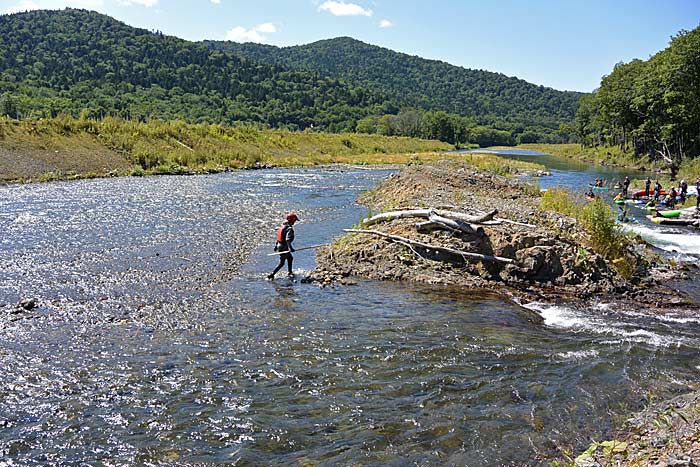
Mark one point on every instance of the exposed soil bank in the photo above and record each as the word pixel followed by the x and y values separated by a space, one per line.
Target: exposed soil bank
pixel 82 157
pixel 551 259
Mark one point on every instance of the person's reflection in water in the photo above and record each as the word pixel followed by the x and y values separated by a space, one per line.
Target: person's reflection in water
pixel 285 298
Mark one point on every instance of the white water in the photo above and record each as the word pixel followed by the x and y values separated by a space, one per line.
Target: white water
pixel 598 321
pixel 673 240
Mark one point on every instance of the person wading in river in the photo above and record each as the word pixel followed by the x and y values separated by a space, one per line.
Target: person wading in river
pixel 683 190
pixel 285 237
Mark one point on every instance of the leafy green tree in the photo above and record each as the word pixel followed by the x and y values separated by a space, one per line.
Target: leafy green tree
pixel 654 103
pixel 8 107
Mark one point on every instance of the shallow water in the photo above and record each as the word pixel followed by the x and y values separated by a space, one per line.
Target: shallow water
pixel 156 341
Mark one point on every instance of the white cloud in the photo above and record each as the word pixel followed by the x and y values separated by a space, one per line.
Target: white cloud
pixel 146 3
pixel 254 34
pixel 23 5
pixel 216 2
pixel 344 9
pixel 385 23
pixel 266 28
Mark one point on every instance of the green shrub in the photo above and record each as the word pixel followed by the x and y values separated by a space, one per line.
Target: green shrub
pixel 598 219
pixel 532 188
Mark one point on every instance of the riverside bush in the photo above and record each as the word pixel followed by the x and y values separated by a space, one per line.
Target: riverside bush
pixel 606 237
pixel 560 200
pixel 599 221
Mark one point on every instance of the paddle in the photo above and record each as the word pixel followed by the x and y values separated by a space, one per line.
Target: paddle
pixel 297 249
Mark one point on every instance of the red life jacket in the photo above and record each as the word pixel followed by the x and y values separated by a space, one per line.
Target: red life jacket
pixel 282 233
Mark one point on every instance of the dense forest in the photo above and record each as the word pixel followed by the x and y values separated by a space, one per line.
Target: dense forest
pixel 82 63
pixel 74 61
pixel 527 112
pixel 651 107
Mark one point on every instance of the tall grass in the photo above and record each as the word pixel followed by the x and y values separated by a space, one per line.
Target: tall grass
pixel 560 200
pixel 156 145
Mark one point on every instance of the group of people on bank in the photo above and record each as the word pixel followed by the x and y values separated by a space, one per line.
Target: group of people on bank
pixel 669 198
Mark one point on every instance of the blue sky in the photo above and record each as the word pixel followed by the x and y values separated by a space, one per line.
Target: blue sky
pixel 561 44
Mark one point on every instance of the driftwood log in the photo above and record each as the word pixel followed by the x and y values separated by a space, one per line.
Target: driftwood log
pixel 425 214
pixel 496 220
pixel 437 222
pixel 466 255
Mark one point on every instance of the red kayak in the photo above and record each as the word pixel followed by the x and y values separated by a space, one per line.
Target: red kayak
pixel 639 193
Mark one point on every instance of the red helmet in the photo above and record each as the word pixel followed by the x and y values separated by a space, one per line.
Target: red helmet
pixel 291 217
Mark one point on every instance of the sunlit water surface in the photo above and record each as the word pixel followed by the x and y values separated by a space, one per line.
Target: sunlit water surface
pixel 156 343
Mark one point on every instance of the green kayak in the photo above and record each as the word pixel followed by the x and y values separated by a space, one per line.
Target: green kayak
pixel 671 213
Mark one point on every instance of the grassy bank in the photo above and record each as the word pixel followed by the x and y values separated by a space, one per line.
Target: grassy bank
pixel 74 148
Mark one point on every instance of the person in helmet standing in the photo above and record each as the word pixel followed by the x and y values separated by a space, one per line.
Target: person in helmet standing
pixel 285 237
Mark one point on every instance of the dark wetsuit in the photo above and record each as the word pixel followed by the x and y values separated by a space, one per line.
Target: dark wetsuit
pixel 647 185
pixel 284 243
pixel 683 191
pixel 697 195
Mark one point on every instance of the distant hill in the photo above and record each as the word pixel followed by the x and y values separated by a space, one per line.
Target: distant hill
pixel 79 62
pixel 72 61
pixel 418 82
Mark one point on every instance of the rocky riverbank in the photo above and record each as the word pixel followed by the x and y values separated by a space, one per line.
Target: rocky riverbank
pixel 666 434
pixel 548 253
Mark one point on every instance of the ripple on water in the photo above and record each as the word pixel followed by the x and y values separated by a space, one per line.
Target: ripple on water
pixel 155 343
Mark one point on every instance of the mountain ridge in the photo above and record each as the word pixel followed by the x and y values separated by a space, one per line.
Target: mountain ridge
pixel 354 60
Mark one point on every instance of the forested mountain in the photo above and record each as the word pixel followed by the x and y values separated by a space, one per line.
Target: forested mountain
pixel 79 62
pixel 417 82
pixel 74 60
pixel 652 106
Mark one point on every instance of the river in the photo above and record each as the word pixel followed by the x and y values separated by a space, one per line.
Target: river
pixel 157 341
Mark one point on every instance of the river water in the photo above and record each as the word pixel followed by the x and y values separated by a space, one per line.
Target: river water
pixel 157 342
